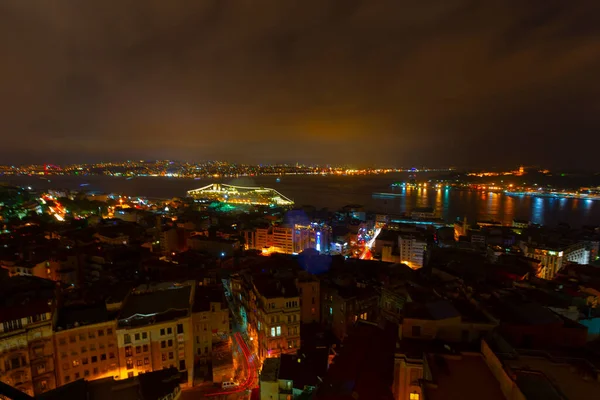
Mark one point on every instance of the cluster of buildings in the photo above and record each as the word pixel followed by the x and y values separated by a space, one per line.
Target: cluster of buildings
pixel 324 306
pixel 51 337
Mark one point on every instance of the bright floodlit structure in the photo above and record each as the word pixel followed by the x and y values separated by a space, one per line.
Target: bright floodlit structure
pixel 240 195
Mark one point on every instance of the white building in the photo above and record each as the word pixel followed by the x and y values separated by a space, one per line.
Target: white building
pixel 412 250
pixel 552 259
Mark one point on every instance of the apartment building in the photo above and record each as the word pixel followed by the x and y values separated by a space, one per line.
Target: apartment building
pixel 154 330
pixel 553 258
pixel 309 291
pixel 26 348
pixel 210 321
pixel 413 250
pixel 85 340
pixel 289 239
pixel 278 316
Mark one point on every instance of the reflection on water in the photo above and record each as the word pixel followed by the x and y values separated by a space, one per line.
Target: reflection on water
pixel 537 212
pixel 334 192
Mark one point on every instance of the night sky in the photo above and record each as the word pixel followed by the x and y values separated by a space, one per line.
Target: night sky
pixel 420 82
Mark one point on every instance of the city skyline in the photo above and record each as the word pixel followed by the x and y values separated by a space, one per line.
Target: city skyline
pixel 394 83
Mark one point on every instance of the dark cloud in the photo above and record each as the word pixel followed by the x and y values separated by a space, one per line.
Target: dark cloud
pixel 365 82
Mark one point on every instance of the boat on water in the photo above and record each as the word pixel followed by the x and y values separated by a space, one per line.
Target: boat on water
pixel 380 194
pixel 278 179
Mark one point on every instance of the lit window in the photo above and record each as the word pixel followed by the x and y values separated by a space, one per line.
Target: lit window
pixel 414 396
pixel 278 331
pixel 273 332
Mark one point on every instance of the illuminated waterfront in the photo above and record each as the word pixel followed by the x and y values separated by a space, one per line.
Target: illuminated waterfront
pixel 334 192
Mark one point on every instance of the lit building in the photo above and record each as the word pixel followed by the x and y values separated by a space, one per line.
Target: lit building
pixel 413 250
pixel 288 240
pixel 278 316
pixel 85 340
pixel 552 259
pixel 154 330
pixel 26 346
pixel 282 240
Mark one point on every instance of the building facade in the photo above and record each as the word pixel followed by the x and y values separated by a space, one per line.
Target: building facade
pixel 86 351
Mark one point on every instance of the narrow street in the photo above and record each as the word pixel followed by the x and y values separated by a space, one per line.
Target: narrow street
pixel 249 378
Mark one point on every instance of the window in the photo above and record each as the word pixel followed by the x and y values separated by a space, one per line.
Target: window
pixel 75 363
pixel 313 300
pixel 278 331
pixel 414 396
pixel 100 332
pixel 86 373
pixel 94 359
pixel 164 356
pixel 91 335
pixel 67 379
pixel 146 361
pixel 95 372
pixel 127 338
pixel 76 375
pixel 181 365
pixel 128 352
pixel 138 363
pixel 169 331
pixel 162 332
pixel 137 336
pixel 273 332
pixel 109 331
pixel 83 349
pixel 145 348
pixel 330 310
pixel 130 364
pixel 170 355
pixel 416 331
pixel 179 328
pixel 163 344
pixel 205 349
pixel 82 336
pixel 144 335
pixel 111 355
pixel 138 349
pixel 72 339
pixel 170 342
pixel 84 360
pixel 63 355
pixel 62 341
pixel 103 357
pixel 130 374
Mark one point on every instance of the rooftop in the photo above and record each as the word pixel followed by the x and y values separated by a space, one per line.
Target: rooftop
pixel 154 306
pixel 304 368
pixel 274 288
pixel 82 314
pixel 543 377
pixel 270 370
pixel 461 377
pixel 364 366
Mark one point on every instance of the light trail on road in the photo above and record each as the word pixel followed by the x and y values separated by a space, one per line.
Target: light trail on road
pixel 366 253
pixel 250 377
